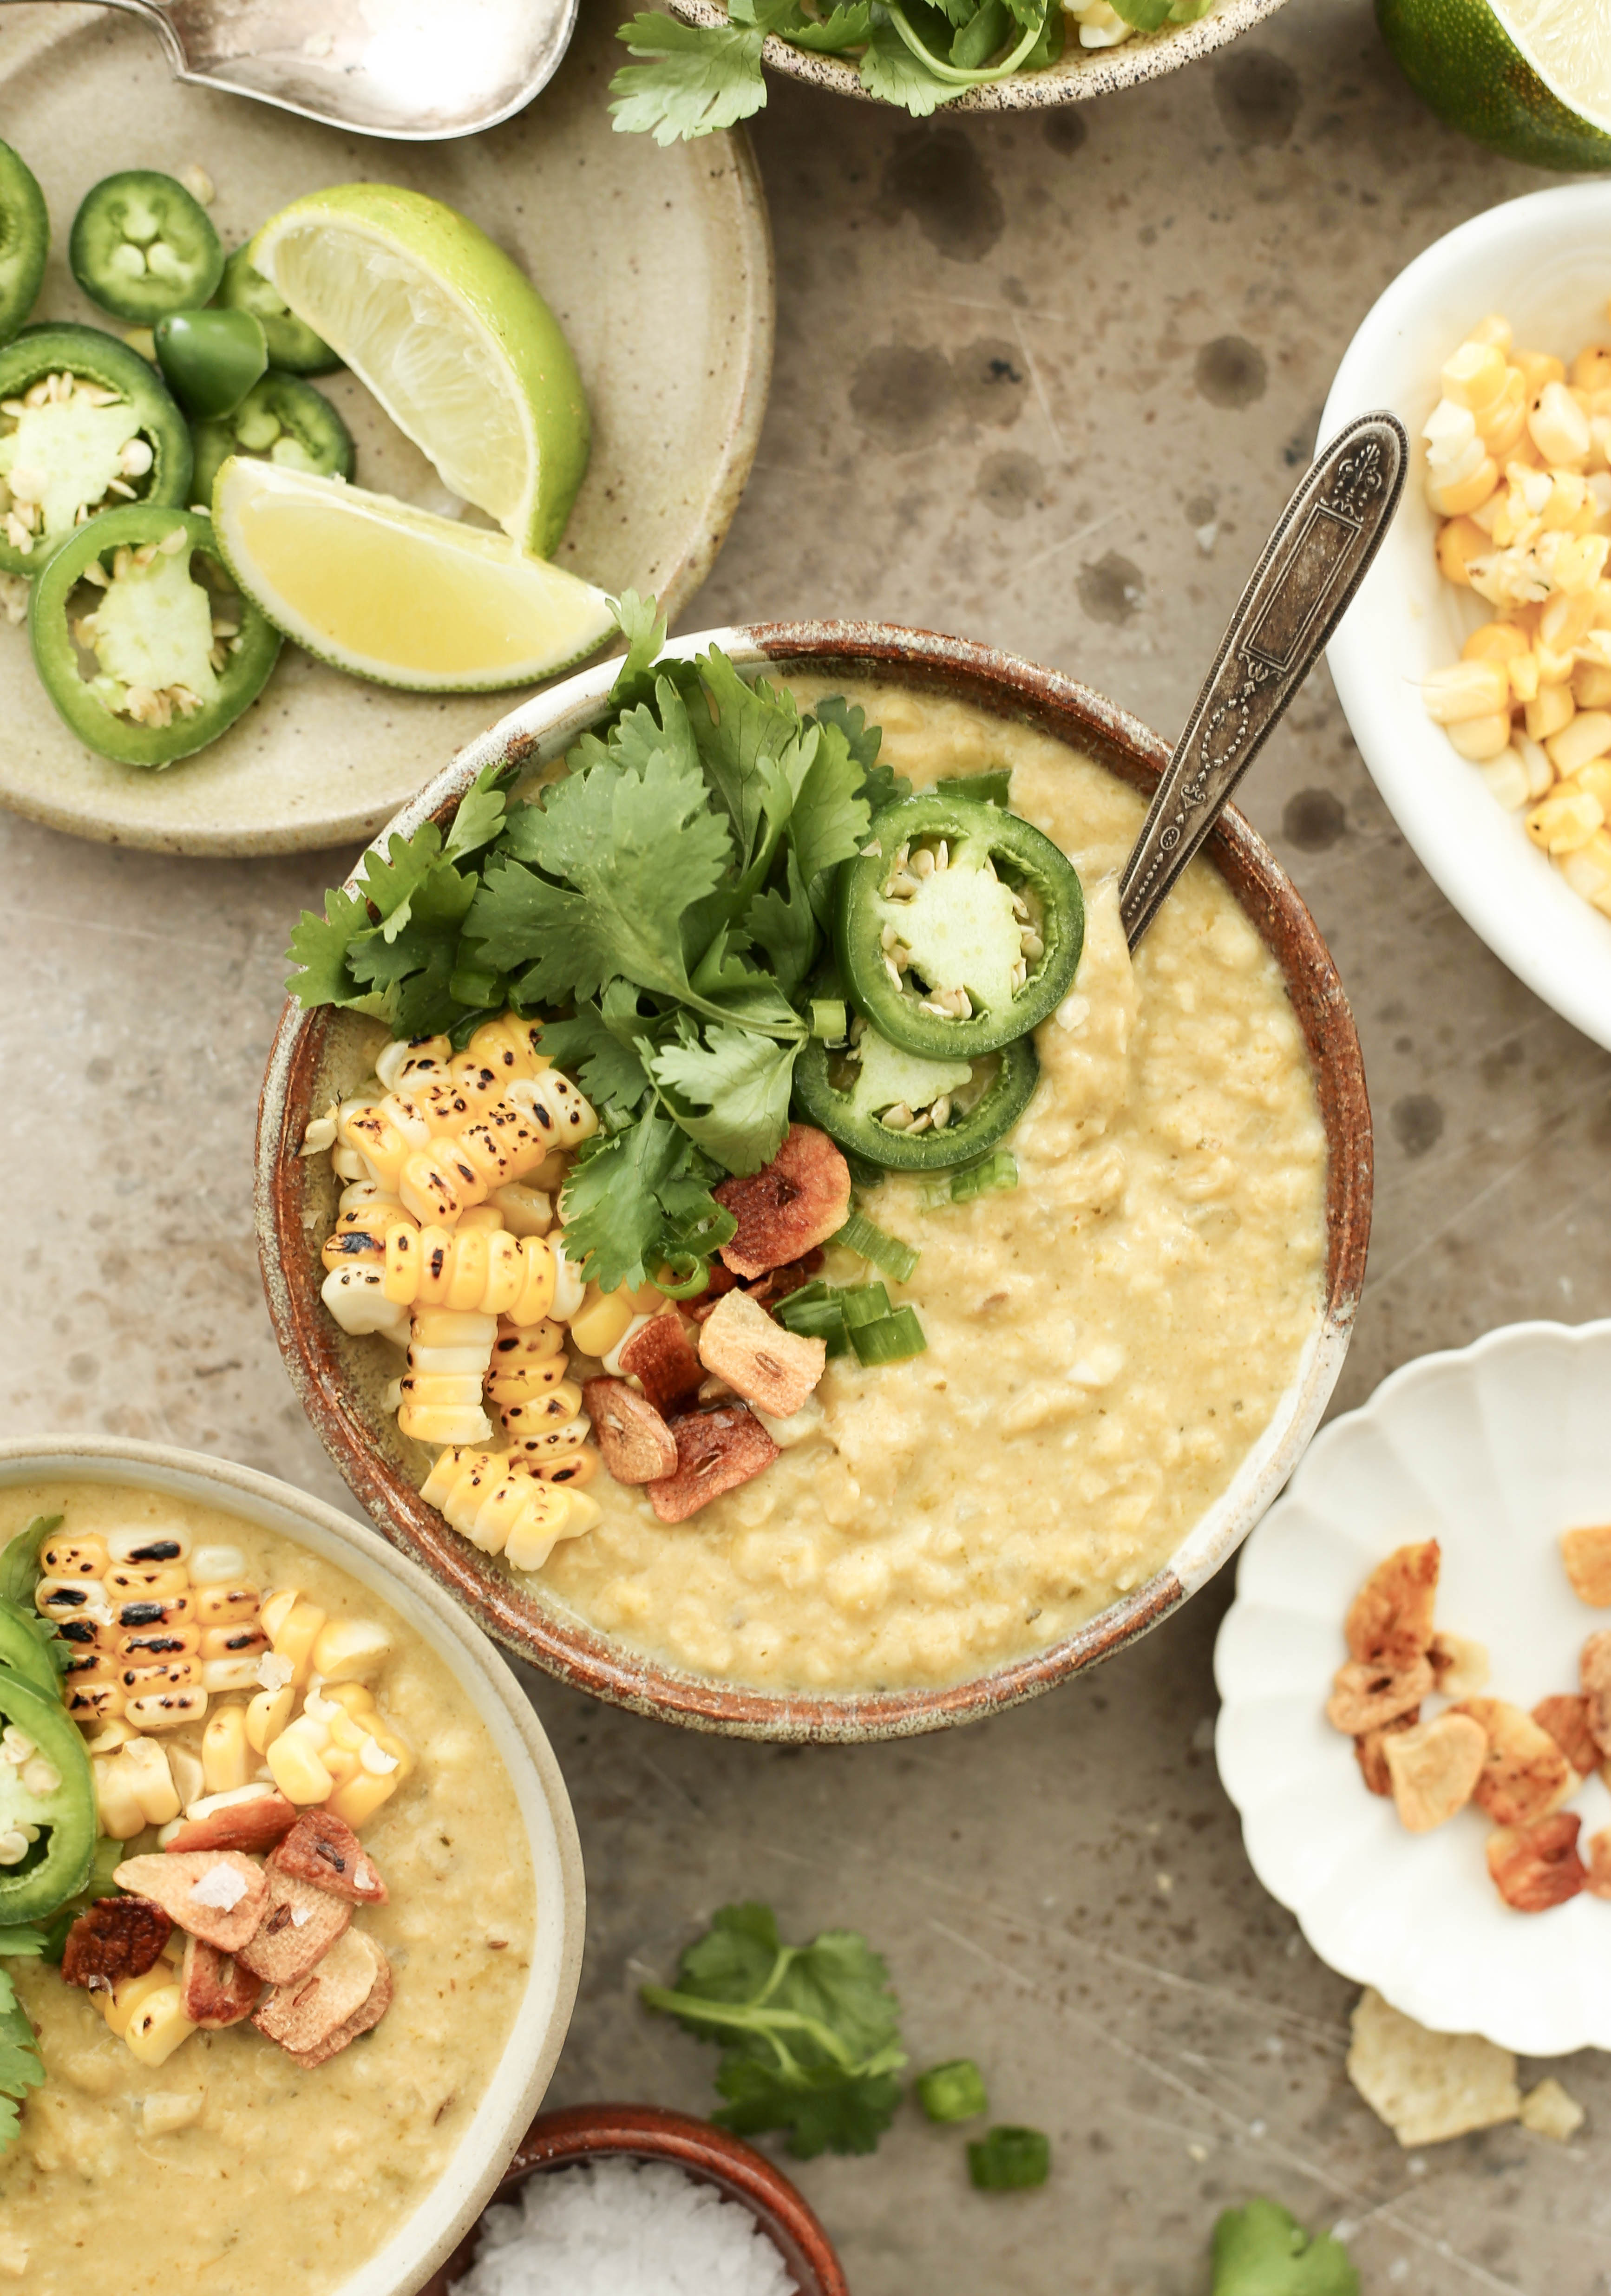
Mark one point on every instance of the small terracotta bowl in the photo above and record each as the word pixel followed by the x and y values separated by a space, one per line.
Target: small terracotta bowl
pixel 1078 75
pixel 643 2132
pixel 318 1056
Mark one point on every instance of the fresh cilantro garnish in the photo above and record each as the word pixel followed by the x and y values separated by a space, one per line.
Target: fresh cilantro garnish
pixel 664 901
pixel 809 2035
pixel 1263 2250
pixel 21 2067
pixel 19 1572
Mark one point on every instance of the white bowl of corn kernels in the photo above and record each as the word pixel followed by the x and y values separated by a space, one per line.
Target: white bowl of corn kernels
pixel 1474 667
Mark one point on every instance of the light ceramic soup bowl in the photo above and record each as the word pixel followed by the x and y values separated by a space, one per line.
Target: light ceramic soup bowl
pixel 320 1055
pixel 424 2239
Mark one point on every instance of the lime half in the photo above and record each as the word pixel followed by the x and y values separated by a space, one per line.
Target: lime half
pixel 451 337
pixel 1530 77
pixel 387 591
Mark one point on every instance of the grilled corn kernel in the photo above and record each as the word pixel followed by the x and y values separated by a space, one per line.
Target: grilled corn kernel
pixel 74 1558
pixel 510 1045
pixel 540 1414
pixel 518 1382
pixel 266 1716
pixel 158 2026
pixel 1563 821
pixel 96 1701
pixel 571 1468
pixel 130 1994
pixel 227 1753
pixel 151 1547
pixel 524 1210
pixel 605 1315
pixel 297 1766
pixel 412 1054
pixel 349 1648
pixel 356 1297
pixel 216 1566
pixel 160 1646
pixel 73 1598
pixel 166 1709
pixel 245 1638
pixel 175 1674
pixel 138 1582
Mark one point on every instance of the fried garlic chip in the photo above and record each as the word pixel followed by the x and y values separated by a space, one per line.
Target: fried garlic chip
pixel 1389 1621
pixel 1587 1555
pixel 1524 1774
pixel 1433 1768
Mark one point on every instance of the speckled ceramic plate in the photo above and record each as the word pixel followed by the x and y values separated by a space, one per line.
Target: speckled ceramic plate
pixel 1494 1452
pixel 1079 74
pixel 659 266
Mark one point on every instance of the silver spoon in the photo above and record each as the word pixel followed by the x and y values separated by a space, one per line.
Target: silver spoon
pixel 424 69
pixel 1298 593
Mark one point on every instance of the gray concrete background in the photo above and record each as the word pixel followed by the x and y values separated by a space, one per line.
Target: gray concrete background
pixel 1046 381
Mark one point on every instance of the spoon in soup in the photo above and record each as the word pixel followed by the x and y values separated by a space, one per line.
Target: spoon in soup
pixel 1299 591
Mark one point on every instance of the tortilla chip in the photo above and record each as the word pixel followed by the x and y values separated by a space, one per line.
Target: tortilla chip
pixel 1428 2086
pixel 1548 2110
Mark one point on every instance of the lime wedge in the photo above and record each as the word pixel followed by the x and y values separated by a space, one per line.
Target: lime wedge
pixel 387 591
pixel 1568 45
pixel 451 337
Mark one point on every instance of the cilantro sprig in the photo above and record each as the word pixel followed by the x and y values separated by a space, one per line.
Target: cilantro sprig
pixel 662 906
pixel 692 80
pixel 21 2067
pixel 809 2035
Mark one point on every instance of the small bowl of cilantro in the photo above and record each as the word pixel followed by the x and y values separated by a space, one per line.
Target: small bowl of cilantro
pixel 735 1206
pixel 699 67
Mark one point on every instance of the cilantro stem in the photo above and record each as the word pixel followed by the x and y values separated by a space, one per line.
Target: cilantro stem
pixel 746 2017
pixel 955 75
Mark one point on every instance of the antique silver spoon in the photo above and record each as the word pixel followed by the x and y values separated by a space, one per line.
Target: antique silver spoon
pixel 1301 587
pixel 418 70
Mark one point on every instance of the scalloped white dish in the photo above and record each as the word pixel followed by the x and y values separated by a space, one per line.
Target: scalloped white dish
pixel 1494 1451
pixel 1545 262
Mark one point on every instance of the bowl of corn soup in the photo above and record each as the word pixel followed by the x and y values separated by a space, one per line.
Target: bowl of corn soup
pixel 1059 1387
pixel 1505 798
pixel 323 1956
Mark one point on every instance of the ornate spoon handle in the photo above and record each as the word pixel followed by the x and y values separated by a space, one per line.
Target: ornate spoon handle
pixel 1299 591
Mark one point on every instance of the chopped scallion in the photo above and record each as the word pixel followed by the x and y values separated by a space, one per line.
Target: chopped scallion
pixel 889 1338
pixel 1009 2160
pixel 815 1312
pixel 954 2091
pixel 863 1303
pixel 998 1170
pixel 830 1022
pixel 887 1252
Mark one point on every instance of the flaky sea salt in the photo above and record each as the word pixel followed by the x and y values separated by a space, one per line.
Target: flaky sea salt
pixel 623 2228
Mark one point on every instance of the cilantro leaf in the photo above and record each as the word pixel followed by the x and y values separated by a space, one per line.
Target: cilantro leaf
pixel 893 73
pixel 614 1224
pixel 644 627
pixel 744 734
pixel 318 949
pixel 847 28
pixel 609 1071
pixel 810 2034
pixel 1263 2250
pixel 21 2067
pixel 831 818
pixel 743 1080
pixel 863 740
pixel 695 79
pixel 480 819
pixel 781 922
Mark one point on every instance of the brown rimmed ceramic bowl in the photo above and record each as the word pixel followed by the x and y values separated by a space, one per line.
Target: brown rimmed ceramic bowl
pixel 318 1056
pixel 643 2132
pixel 1078 75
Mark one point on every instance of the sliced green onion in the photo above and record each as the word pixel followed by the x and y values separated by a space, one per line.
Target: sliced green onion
pixel 954 2091
pixel 863 1303
pixel 684 1276
pixel 886 1252
pixel 889 1338
pixel 1009 2160
pixel 830 1022
pixel 990 788
pixel 998 1170
pixel 815 1312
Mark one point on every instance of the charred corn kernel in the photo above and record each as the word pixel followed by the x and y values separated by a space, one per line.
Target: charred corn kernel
pixel 515 1382
pixel 154 1646
pixel 87 1666
pixel 571 1468
pixel 605 1315
pixel 1565 820
pixel 1464 495
pixel 1587 736
pixel 298 1771
pixel 356 1298
pixel 1479 738
pixel 1494 642
pixel 524 1210
pixel 158 2026
pixel 538 1414
pixel 166 1709
pixel 561 1113
pixel 73 1598
pixel 1506 780
pixel 471 1271
pixel 1553 711
pixel 295 1635
pixel 149 1582
pixel 437 1183
pixel 74 1558
pixel 550 1442
pixel 145 1766
pixel 535 1536
pixel 1559 424
pixel 244 1639
pixel 1453 696
pixel 130 1994
pixel 485 1497
pixel 178 1674
pixel 347 1649
pixel 419 1056
pixel 227 1753
pixel 94 1701
pixel 359 1237
pixel 266 1716
pixel 363 1130
pixel 150 1545
pixel 361 1796
pixel 118 1812
pixel 510 1045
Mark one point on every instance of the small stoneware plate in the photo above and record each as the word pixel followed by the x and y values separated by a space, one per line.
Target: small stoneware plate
pixel 1541 262
pixel 514 2092
pixel 646 2132
pixel 1493 1451
pixel 658 265
pixel 1078 75
pixel 321 1055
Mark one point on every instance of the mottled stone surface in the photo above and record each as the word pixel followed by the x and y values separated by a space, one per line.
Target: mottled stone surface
pixel 1046 381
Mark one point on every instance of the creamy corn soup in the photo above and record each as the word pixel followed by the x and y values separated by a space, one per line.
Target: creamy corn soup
pixel 1105 1343
pixel 231 2169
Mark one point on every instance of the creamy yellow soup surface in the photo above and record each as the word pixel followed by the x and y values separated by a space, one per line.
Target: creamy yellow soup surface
pixel 1105 1344
pixel 230 2170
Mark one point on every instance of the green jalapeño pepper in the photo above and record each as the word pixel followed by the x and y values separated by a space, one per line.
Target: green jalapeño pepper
pixel 210 359
pixel 914 1115
pixel 84 425
pixel 281 420
pixel 293 345
pixel 958 927
pixel 176 659
pixel 48 1804
pixel 24 238
pixel 141 247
